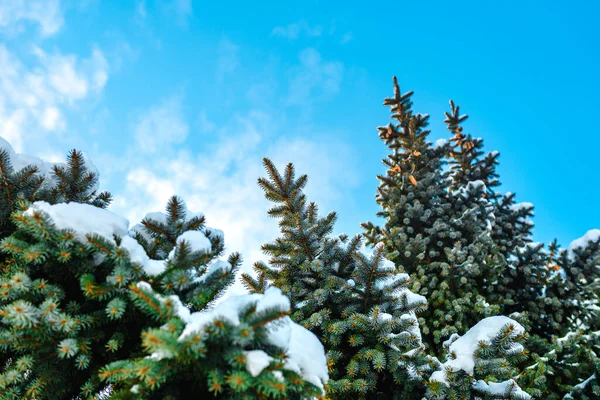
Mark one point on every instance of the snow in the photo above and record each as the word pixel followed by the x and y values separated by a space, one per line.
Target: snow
pixel 583 384
pixel 439 376
pixel 439 143
pixel 384 316
pixel 306 354
pixel 257 361
pixel 197 241
pixel 590 236
pixel 138 255
pixel 501 388
pixel 521 206
pixel 473 186
pixel 462 349
pixel 20 161
pixel 214 232
pixel 217 266
pixel 45 168
pixel 83 219
pixel 413 298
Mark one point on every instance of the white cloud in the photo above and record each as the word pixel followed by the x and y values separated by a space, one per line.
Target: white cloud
pixel 227 60
pixel 221 180
pixel 140 9
pixel 180 10
pixel 295 30
pixel 52 119
pixel 33 98
pixel 46 13
pixel 314 78
pixel 160 126
pixel 348 36
pixel 204 124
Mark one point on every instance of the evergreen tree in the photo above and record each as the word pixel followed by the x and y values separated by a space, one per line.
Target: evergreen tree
pixel 437 234
pixel 495 267
pixel 26 178
pixel 82 303
pixel 359 306
pixel 569 358
pixel 481 364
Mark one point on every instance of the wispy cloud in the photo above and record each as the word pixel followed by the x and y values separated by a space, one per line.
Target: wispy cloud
pixel 205 125
pixel 220 181
pixel 140 9
pixel 33 98
pixel 347 37
pixel 178 11
pixel 181 10
pixel 297 29
pixel 314 78
pixel 160 126
pixel 228 58
pixel 46 13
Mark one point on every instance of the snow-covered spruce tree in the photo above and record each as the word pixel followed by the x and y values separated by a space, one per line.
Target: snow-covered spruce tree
pixel 365 315
pixel 570 367
pixel 23 177
pixel 577 283
pixel 86 313
pixel 520 267
pixel 439 236
pixel 571 300
pixel 358 305
pixel 28 178
pixel 480 364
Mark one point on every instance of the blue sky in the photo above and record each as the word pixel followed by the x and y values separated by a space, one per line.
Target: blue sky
pixel 186 97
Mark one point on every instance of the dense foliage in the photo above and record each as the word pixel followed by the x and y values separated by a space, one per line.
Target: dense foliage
pixel 445 297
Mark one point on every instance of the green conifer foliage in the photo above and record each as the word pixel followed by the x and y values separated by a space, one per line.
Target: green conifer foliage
pixel 20 182
pixel 570 357
pixel 519 271
pixel 24 184
pixel 359 306
pixel 91 315
pixel 482 261
pixel 76 182
pixel 56 322
pixel 481 364
pixel 576 284
pixel 439 236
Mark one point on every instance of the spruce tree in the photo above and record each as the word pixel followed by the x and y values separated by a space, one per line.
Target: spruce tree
pixel 362 309
pixel 481 363
pixel 85 312
pixel 359 306
pixel 436 234
pixel 486 240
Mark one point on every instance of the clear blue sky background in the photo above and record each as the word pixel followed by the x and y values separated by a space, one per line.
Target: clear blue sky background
pixel 235 81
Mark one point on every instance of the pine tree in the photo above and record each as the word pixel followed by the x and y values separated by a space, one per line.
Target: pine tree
pixel 436 234
pixel 362 309
pixel 481 364
pixel 82 304
pixel 486 241
pixel 570 356
pixel 21 181
pixel 359 306
pixel 75 182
